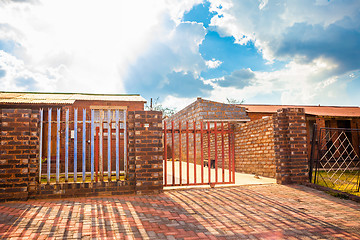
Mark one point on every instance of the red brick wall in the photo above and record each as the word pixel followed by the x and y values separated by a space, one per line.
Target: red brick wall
pixel 19 153
pixel 146 151
pixel 256 116
pixel 254 148
pixel 203 109
pixel 19 165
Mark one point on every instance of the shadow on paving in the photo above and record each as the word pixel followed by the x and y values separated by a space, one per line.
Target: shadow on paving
pixel 258 211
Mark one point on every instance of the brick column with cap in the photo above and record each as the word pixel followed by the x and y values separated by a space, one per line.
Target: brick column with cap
pixel 146 151
pixel 19 153
pixel 290 146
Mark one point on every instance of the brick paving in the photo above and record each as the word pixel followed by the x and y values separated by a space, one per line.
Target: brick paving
pixel 244 212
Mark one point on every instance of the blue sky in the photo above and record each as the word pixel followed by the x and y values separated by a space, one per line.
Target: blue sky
pixel 262 51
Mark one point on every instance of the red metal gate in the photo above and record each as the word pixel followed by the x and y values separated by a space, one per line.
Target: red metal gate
pixel 198 153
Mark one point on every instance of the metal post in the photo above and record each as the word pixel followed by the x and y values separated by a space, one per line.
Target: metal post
pixel 125 146
pixel 187 154
pixel 84 146
pixel 311 160
pixel 75 144
pixel 222 152
pixel 97 154
pixel 173 152
pixel 233 154
pixel 216 154
pixel 41 141
pixel 49 146
pixel 209 157
pixel 230 165
pixel 58 146
pixel 202 151
pixel 165 154
pixel 180 153
pixel 92 143
pixel 194 152
pixel 109 144
pixel 117 119
pixel 101 166
pixel 67 145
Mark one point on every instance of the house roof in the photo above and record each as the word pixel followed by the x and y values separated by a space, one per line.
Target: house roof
pixel 63 98
pixel 335 111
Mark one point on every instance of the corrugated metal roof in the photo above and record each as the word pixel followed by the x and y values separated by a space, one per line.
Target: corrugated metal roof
pixel 335 111
pixel 64 98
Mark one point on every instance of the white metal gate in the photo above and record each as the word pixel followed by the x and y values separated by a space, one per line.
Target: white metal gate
pixel 87 143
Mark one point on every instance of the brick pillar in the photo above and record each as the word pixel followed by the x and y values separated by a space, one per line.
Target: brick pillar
pixel 19 153
pixel 290 146
pixel 146 151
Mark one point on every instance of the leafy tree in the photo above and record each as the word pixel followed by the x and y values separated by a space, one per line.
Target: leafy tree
pixel 156 106
pixel 234 101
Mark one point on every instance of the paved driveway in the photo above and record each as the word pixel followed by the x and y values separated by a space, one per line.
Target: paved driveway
pixel 244 212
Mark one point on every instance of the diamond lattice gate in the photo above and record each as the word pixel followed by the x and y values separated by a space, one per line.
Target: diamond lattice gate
pixel 198 153
pixel 335 159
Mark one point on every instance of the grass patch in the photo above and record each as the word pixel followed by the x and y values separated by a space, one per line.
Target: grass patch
pixel 79 178
pixel 345 181
pixel 338 195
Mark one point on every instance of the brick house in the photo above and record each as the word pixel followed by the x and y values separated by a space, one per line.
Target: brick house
pixel 323 116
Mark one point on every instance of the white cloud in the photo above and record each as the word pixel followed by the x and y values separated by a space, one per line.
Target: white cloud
pixel 294 84
pixel 319 40
pixel 172 65
pixel 19 77
pixel 213 63
pixel 94 41
pixel 266 23
pixel 263 4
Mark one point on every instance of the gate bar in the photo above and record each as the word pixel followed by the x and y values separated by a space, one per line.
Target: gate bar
pixel 101 167
pixel 202 152
pixel 49 146
pixel 41 141
pixel 173 152
pixel 187 153
pixel 180 155
pixel 67 145
pixel 222 152
pixel 209 158
pixel 165 153
pixel 58 146
pixel 117 144
pixel 109 144
pixel 216 154
pixel 229 140
pixel 92 144
pixel 125 146
pixel 312 152
pixel 97 154
pixel 75 143
pixel 84 146
pixel 194 151
pixel 233 155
